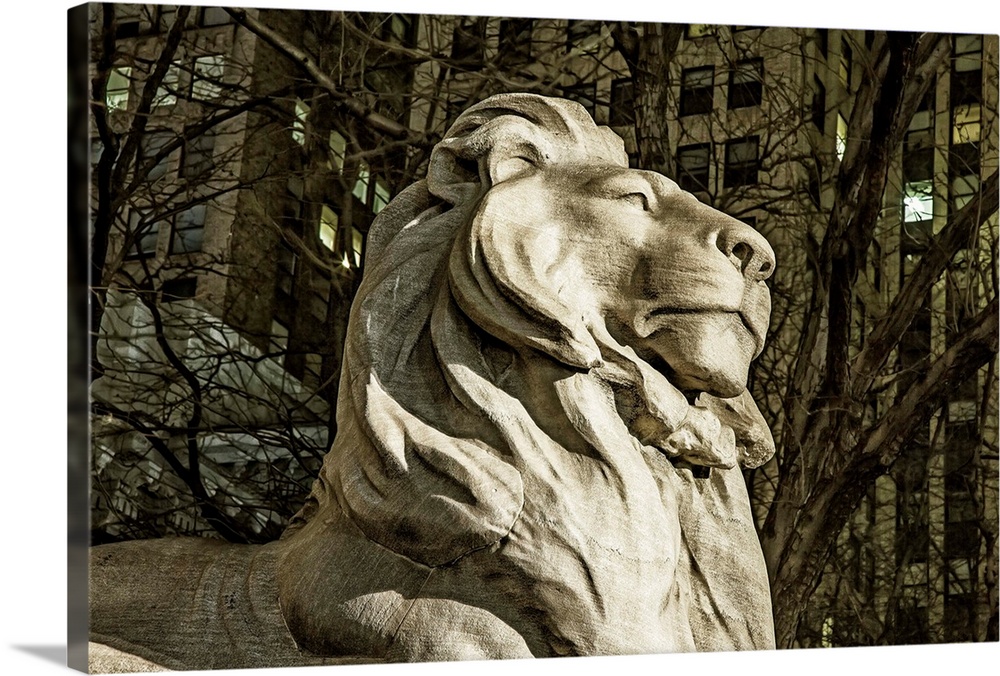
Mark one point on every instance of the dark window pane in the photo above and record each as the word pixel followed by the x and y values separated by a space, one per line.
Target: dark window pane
pixel 697 90
pixel 150 146
pixel 741 162
pixel 745 84
pixel 819 104
pixel 584 94
pixel 198 156
pixel 515 41
pixel 622 103
pixel 577 32
pixel 179 289
pixel 468 41
pixel 692 167
pixel 189 230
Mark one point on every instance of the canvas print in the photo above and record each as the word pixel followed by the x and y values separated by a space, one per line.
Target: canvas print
pixel 413 337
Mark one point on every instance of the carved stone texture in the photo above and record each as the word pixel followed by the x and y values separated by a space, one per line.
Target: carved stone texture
pixel 542 419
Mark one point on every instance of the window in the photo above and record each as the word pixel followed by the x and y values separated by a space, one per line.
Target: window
pixel 584 94
pixel 745 83
pixel 966 70
pixel 918 203
pixel 815 184
pixel 696 90
pixel 151 145
pixel 741 162
pixel 119 82
pixel 189 230
pixel 398 28
pixel 206 82
pixel 214 16
pixel 362 182
pixel 622 103
pixel 145 234
pixel 299 122
pixel 846 63
pixel 582 33
pixel 180 288
pixel 841 142
pixel 965 123
pixel 381 198
pixel 698 30
pixel 468 41
pixel 823 40
pixel 515 41
pixel 287 264
pixel 166 93
pixel 819 104
pixel 692 167
pixel 197 159
pixel 319 298
pixel 278 343
pixel 338 151
pixel 357 248
pixel 312 370
pixel 329 222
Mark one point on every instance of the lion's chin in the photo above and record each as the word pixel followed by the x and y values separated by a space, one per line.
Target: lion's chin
pixel 706 352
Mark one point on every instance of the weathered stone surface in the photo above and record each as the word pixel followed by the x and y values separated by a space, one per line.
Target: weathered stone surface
pixel 542 418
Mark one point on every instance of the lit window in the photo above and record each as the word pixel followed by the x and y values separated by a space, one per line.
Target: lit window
pixel 966 127
pixel 918 201
pixel 119 80
pixel 338 151
pixel 189 230
pixel 166 93
pixel 381 198
pixel 746 84
pixel 692 167
pixel 206 83
pixel 357 246
pixel 299 123
pixel 968 53
pixel 741 162
pixel 698 30
pixel 361 183
pixel 841 136
pixel 696 90
pixel 328 224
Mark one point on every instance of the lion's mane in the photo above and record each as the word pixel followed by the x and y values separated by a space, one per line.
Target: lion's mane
pixel 433 439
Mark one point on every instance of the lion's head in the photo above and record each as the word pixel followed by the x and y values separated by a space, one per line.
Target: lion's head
pixel 532 284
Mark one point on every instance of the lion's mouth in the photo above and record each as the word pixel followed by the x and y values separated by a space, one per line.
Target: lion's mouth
pixel 659 318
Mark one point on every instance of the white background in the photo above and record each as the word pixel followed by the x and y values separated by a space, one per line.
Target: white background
pixel 33 250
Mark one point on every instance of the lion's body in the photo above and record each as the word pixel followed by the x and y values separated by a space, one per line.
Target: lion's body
pixel 514 473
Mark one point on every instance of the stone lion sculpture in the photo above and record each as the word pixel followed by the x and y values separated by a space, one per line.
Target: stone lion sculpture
pixel 542 419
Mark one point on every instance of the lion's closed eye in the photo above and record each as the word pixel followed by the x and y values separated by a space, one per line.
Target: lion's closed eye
pixel 638 200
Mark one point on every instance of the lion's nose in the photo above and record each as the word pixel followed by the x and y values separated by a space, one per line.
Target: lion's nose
pixel 747 249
